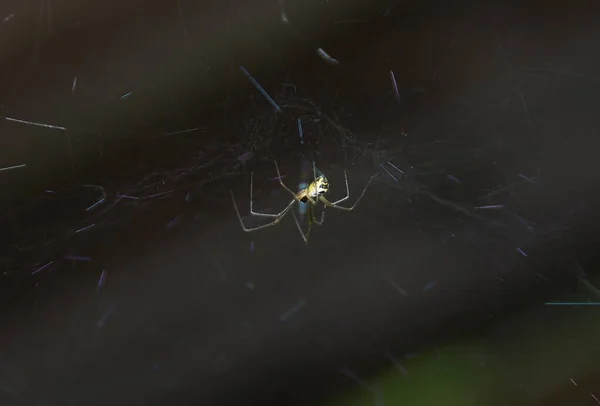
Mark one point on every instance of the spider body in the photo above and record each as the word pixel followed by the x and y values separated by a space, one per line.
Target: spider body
pixel 313 194
pixel 317 188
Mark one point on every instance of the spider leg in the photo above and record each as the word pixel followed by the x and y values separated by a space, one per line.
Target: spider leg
pixel 310 199
pixel 335 205
pixel 254 213
pixel 347 191
pixel 281 182
pixel 312 219
pixel 278 217
pixel 305 236
pixel 313 216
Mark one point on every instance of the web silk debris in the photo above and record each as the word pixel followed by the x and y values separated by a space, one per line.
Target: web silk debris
pixel 260 89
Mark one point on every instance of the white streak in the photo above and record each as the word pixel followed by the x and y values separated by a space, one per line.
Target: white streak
pixel 300 132
pixel 396 362
pixel 43 267
pixel 84 229
pixel 8 18
pixel 326 57
pixel 496 206
pixel 76 258
pixel 189 130
pixel 100 201
pixel 398 288
pixel 388 172
pixel 395 86
pixel 101 281
pixel 260 89
pixel 453 178
pixel 429 286
pixel 16 120
pixel 395 167
pixel 284 19
pixel 8 168
pixel 520 175
pixel 292 311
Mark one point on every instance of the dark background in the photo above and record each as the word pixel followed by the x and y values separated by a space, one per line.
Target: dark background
pixel 498 106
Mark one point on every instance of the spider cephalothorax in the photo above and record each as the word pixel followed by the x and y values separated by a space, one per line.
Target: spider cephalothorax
pixel 317 188
pixel 314 193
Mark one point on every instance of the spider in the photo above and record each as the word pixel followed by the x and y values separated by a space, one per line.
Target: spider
pixel 314 193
